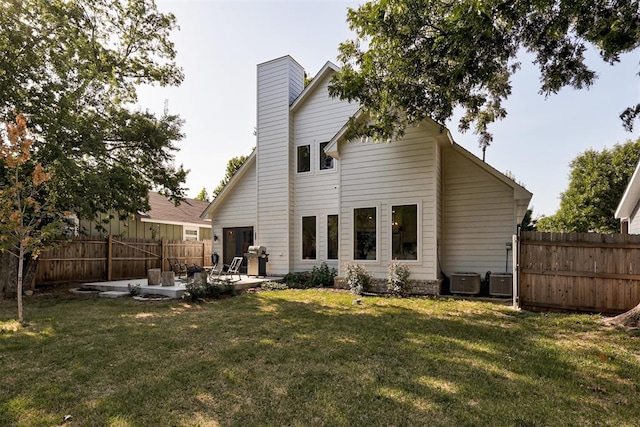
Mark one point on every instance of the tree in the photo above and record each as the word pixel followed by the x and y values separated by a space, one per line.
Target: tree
pixel 232 167
pixel 203 195
pixel 414 59
pixel 528 223
pixel 596 184
pixel 72 69
pixel 28 221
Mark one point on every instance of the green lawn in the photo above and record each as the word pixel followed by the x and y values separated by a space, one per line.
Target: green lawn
pixel 313 357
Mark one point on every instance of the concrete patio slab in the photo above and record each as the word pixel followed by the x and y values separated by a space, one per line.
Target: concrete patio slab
pixel 122 286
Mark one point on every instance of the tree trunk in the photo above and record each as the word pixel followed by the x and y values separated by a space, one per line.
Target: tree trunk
pixel 630 319
pixel 9 273
pixel 19 286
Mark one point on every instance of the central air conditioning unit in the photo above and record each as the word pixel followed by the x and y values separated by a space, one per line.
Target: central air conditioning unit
pixel 501 284
pixel 465 283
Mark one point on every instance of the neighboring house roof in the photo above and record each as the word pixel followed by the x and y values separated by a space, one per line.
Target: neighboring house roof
pixel 164 211
pixel 630 197
pixel 228 189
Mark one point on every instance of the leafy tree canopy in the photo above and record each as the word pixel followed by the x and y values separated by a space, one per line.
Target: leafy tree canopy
pixel 203 195
pixel 72 68
pixel 414 59
pixel 232 167
pixel 596 185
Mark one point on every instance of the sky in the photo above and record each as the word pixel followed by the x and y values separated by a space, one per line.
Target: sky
pixel 220 43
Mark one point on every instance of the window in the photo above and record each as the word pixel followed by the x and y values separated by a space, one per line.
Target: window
pixel 190 233
pixel 332 236
pixel 308 237
pixel 404 231
pixel 304 158
pixel 326 162
pixel 364 233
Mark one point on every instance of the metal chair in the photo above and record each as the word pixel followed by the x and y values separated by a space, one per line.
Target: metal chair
pixel 213 272
pixel 231 269
pixel 177 267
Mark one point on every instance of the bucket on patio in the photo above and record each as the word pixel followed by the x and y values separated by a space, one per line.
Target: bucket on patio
pixel 153 276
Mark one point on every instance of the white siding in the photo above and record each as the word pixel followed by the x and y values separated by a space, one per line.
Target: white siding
pixel 634 221
pixel 238 209
pixel 479 217
pixel 439 217
pixel 315 193
pixel 382 175
pixel 279 82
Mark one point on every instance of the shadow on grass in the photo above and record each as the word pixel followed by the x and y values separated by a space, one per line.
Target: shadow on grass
pixel 314 358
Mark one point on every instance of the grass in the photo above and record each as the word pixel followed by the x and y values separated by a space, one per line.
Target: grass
pixel 312 357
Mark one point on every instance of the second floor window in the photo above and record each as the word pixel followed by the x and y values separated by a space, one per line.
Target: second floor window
pixel 326 162
pixel 304 158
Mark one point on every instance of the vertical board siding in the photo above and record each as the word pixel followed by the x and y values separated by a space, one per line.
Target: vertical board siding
pixel 386 174
pixel 315 193
pixel 580 271
pixel 84 259
pixel 279 82
pixel 479 217
pixel 131 228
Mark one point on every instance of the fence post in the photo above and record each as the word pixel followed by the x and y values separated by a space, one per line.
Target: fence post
pixel 515 265
pixel 109 257
pixel 204 258
pixel 163 252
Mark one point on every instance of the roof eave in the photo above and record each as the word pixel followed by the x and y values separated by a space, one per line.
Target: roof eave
pixel 208 212
pixel 630 197
pixel 327 69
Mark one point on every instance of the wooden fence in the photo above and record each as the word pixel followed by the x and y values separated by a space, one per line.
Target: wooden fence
pixel 87 259
pixel 579 271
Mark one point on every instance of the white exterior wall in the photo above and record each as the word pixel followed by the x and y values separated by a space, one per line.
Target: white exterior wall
pixel 316 192
pixel 238 209
pixel 479 217
pixel 279 82
pixel 634 220
pixel 383 175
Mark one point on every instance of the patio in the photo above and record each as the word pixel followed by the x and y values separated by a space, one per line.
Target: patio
pixel 120 288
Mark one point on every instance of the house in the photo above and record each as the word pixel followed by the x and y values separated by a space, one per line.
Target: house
pixel 310 196
pixel 627 211
pixel 164 219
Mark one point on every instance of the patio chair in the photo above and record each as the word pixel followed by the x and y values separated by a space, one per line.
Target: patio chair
pixel 177 267
pixel 230 269
pixel 213 272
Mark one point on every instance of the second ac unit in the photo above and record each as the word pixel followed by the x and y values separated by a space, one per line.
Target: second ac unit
pixel 501 284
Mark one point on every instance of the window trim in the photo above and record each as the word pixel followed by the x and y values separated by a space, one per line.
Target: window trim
pixel 353 231
pixel 418 206
pixel 186 228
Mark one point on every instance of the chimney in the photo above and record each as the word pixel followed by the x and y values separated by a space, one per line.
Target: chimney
pixel 280 81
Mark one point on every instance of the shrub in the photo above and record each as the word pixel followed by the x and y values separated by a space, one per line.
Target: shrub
pixel 198 291
pixel 298 280
pixel 398 275
pixel 274 286
pixel 358 279
pixel 323 275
